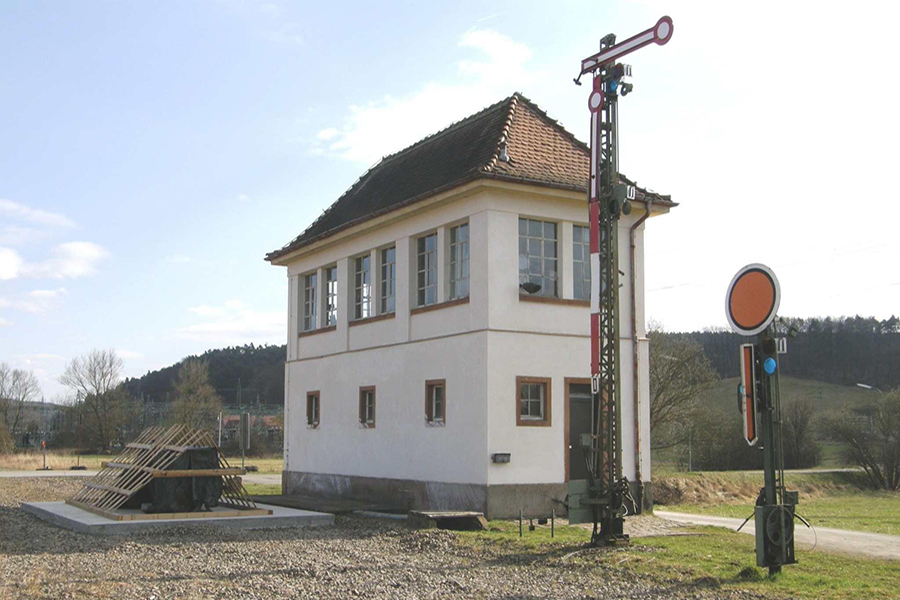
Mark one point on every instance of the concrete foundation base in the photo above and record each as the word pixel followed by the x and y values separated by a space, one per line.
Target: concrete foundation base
pixel 494 501
pixel 82 521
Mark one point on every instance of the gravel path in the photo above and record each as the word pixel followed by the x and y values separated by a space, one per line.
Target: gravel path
pixel 356 558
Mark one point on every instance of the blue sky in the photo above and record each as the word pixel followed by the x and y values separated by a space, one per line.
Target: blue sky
pixel 153 152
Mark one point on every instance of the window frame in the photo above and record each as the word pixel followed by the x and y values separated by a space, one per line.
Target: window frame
pixel 459 263
pixel 330 314
pixel 526 276
pixel 430 385
pixel 547 420
pixel 363 408
pixel 309 302
pixel 388 278
pixel 430 265
pixel 585 261
pixel 313 400
pixel 362 287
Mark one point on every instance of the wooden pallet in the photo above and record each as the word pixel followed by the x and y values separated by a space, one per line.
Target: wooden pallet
pixel 147 458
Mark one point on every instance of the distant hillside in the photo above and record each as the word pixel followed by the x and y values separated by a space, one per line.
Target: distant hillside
pixel 823 396
pixel 257 371
pixel 844 350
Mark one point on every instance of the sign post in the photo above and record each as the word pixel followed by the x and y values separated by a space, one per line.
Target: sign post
pixel 751 305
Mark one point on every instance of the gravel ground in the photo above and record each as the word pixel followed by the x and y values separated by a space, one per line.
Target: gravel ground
pixel 355 558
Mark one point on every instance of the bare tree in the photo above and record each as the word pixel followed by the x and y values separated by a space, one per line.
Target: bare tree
pixel 872 444
pixel 17 388
pixel 95 379
pixel 800 447
pixel 679 373
pixel 197 404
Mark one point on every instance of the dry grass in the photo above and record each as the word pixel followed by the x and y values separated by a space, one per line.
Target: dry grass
pixel 64 460
pixel 734 486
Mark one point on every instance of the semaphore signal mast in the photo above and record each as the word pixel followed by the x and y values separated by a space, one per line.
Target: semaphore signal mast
pixel 605 497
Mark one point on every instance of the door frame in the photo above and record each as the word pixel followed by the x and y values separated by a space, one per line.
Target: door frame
pixel 566 382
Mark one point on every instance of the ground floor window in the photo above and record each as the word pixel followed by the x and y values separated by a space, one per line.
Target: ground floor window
pixel 533 401
pixel 312 409
pixel 367 406
pixel 435 401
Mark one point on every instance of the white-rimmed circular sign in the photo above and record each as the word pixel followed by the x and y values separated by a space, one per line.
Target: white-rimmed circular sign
pixel 752 299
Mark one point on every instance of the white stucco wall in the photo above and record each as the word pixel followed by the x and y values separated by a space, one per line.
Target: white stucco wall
pixel 479 348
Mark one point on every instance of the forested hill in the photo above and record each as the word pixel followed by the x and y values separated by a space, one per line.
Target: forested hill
pixel 258 371
pixel 844 350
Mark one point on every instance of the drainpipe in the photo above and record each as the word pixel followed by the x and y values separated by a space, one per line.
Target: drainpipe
pixel 648 204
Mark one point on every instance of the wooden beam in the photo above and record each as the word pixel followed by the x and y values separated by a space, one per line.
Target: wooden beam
pixel 197 473
pixel 108 488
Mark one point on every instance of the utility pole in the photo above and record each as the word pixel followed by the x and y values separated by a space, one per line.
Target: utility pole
pixel 605 497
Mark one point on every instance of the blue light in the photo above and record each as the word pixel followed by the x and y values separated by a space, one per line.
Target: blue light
pixel 769 365
pixel 613 85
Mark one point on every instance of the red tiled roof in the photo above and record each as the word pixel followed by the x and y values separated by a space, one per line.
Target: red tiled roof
pixel 541 152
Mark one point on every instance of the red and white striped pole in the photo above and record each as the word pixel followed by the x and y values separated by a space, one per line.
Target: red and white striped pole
pixel 595 104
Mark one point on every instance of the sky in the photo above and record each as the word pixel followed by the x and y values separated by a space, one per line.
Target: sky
pixel 151 153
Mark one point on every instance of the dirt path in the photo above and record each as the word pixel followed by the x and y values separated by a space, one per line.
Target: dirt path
pixel 858 543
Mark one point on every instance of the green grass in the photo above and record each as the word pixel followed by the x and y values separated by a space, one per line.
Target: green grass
pixel 263 489
pixel 712 557
pixel 876 512
pixel 823 396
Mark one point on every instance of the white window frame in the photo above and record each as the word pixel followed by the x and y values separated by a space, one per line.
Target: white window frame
pixel 525 259
pixel 309 302
pixel 459 262
pixel 331 296
pixel 388 282
pixel 431 387
pixel 362 300
pixel 585 262
pixel 425 268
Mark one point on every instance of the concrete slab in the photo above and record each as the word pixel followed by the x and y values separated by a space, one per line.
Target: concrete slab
pixel 82 521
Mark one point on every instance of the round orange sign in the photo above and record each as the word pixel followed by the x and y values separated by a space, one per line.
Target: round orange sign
pixel 752 299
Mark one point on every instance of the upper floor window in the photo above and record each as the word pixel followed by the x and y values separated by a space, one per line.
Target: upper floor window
pixel 388 279
pixel 309 302
pixel 331 296
pixel 459 261
pixel 581 262
pixel 426 270
pixel 363 297
pixel 537 255
pixel 367 406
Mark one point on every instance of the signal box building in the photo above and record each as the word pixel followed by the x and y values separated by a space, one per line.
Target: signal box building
pixel 419 372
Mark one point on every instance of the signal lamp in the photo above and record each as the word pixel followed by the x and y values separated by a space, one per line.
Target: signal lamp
pixel 769 365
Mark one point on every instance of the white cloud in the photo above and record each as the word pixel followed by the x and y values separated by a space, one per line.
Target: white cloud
pixel 234 324
pixel 71 260
pixel 381 127
pixel 243 197
pixel 17 210
pixel 177 259
pixel 286 35
pixel 328 133
pixel 506 58
pixel 207 311
pixel 35 301
pixel 4 322
pixel 10 264
pixel 15 235
pixel 128 354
